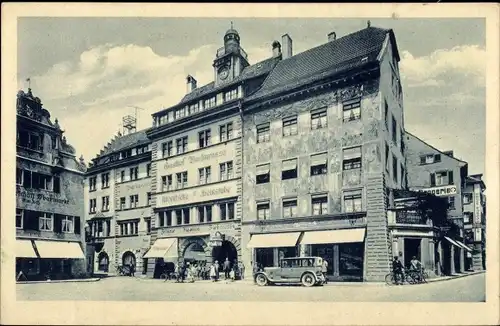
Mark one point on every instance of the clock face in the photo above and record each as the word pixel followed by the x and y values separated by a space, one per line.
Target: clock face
pixel 223 73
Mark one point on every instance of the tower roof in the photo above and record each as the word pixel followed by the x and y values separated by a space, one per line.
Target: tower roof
pixel 231 31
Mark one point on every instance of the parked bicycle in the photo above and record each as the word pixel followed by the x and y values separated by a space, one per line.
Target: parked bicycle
pixel 123 270
pixel 409 277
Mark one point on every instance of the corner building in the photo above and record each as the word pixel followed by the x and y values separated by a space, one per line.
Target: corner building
pixel 196 164
pixel 323 142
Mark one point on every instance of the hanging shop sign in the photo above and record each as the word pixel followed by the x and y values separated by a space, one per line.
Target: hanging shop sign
pixel 216 239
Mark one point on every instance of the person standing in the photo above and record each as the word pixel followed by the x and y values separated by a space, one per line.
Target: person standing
pixel 397 270
pixel 217 267
pixel 212 272
pixel 324 269
pixel 242 270
pixel 132 269
pixel 227 268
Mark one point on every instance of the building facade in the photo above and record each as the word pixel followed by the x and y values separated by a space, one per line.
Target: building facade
pixel 323 142
pixel 474 201
pixel 49 197
pixel 196 164
pixel 118 203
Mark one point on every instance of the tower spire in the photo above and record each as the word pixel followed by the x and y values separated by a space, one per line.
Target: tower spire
pixel 231 24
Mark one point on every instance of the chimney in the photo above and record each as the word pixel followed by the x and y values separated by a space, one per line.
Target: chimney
pixel 191 84
pixel 448 153
pixel 332 36
pixel 287 46
pixel 276 49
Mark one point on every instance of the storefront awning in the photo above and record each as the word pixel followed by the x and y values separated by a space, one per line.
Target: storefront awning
pixel 274 240
pixel 334 236
pixel 24 249
pixel 59 249
pixel 463 246
pixel 453 242
pixel 163 248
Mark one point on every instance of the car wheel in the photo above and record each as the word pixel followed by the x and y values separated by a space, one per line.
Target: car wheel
pixel 308 279
pixel 261 280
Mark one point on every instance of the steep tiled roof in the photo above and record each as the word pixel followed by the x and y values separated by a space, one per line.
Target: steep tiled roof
pixel 122 142
pixel 249 72
pixel 335 56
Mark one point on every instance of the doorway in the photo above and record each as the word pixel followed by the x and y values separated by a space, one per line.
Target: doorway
pixel 128 259
pixel 103 262
pixel 411 249
pixel 226 250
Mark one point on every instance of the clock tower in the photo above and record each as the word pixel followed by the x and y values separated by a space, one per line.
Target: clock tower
pixel 230 59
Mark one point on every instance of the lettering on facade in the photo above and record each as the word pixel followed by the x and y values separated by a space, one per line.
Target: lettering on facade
pixel 137 186
pixel 477 208
pixel 184 230
pixel 197 194
pixel 174 198
pixel 225 226
pixel 191 159
pixel 353 222
pixel 29 197
pixel 214 192
pixel 439 191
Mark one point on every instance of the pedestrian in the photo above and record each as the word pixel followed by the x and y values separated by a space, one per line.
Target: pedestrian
pixel 232 273
pixel 132 269
pixel 255 270
pixel 217 270
pixel 324 269
pixel 397 270
pixel 227 268
pixel 242 270
pixel 213 273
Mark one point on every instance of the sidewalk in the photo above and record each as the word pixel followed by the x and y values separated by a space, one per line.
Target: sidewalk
pixel 94 279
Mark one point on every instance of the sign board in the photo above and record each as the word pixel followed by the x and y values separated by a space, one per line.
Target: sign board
pixel 477 235
pixel 477 208
pixel 199 194
pixel 36 198
pixel 215 239
pixel 439 191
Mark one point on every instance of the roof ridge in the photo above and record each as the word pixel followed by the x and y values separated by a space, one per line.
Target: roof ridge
pixel 435 148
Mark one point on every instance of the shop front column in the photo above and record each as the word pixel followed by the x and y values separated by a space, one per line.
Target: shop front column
pixel 276 257
pixel 452 259
pixel 462 260
pixel 432 258
pixel 336 260
pixel 441 259
pixel 303 251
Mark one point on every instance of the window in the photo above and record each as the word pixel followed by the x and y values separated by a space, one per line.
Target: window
pixel 394 130
pixel 231 95
pixel 468 217
pixel 226 132
pixel 387 157
pixel 204 175
pixel 129 228
pixel 38 180
pixel 430 158
pixel 402 141
pixel 163 119
pixel 122 202
pixel 105 203
pixel 166 149
pixel 204 138
pixel 148 225
pixel 182 145
pixel 68 224
pixel 93 205
pixel 181 180
pixel 290 126
pixel 134 200
pixel 45 222
pixel 209 103
pixel 451 202
pixel 166 182
pixel 467 198
pixel 148 170
pixel 148 203
pixel 394 168
pixel 263 212
pixel 402 173
pixel 351 158
pixel 182 216
pixel 205 213
pixel 19 176
pixel 263 134
pixel 19 218
pixel 289 207
pixel 226 211
pixel 442 178
pixel 92 183
pixel 386 114
pixel 318 164
pixel 122 176
pixel 351 110
pixel 56 186
pixel 30 140
pixel 318 118
pixel 262 173
pixel 194 108
pixel 226 170
pixel 134 173
pixel 165 218
pixel 180 113
pixel 319 205
pixel 352 201
pixel 289 169
pixel 104 180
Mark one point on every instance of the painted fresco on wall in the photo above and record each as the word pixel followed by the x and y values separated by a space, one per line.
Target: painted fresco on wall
pixel 371 130
pixel 335 161
pixel 372 158
pixel 351 178
pixel 352 139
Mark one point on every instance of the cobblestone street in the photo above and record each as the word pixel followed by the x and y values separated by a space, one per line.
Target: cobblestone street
pixel 465 289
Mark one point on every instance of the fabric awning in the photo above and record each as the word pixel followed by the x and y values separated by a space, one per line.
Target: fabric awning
pixel 334 236
pixel 59 249
pixel 453 242
pixel 351 153
pixel 319 159
pixel 289 165
pixel 24 249
pixel 163 248
pixel 463 245
pixel 262 169
pixel 273 240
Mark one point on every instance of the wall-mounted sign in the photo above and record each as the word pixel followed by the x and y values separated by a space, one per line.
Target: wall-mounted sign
pixel 311 225
pixel 182 231
pixel 216 239
pixel 194 158
pixel 439 191
pixel 36 198
pixel 477 235
pixel 477 208
pixel 199 194
pixel 132 187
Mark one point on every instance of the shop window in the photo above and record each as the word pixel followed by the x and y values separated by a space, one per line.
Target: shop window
pixel 352 201
pixel 289 208
pixel 289 169
pixel 181 144
pixel 92 183
pixel 181 180
pixel 442 178
pixel 93 205
pixel 167 149
pixel 451 202
pixel 204 175
pixel 122 202
pixel 46 222
pixel 319 118
pixel 262 174
pixel 290 126
pixel 104 180
pixel 166 182
pixel 134 200
pixel 319 204
pixel 226 132
pixel 318 164
pixel 19 218
pixel 263 133
pixel 351 158
pixel 467 198
pixel 226 170
pixel 351 110
pixel 204 138
pixel 263 211
pixel 105 203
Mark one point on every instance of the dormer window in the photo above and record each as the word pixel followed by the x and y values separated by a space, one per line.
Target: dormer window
pixel 231 95
pixel 194 108
pixel 209 103
pixel 180 113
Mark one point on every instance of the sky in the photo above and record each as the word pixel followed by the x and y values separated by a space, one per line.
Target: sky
pixel 90 72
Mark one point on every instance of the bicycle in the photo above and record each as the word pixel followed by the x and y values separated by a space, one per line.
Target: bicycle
pixel 391 280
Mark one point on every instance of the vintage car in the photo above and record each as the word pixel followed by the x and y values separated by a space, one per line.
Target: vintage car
pixel 305 270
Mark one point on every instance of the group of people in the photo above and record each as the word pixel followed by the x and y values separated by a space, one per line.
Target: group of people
pixel 202 271
pixel 398 268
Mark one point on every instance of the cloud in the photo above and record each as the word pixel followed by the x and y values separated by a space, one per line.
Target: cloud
pixel 464 63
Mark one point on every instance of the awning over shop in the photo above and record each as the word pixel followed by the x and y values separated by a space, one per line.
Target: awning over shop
pixel 163 248
pixel 24 249
pixel 262 169
pixel 453 242
pixel 463 245
pixel 334 236
pixel 59 249
pixel 319 159
pixel 273 240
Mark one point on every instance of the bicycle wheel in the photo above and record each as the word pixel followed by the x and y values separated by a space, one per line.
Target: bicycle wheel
pixel 163 277
pixel 389 279
pixel 425 276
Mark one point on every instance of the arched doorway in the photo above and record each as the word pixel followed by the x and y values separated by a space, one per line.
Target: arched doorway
pixel 103 262
pixel 194 252
pixel 226 250
pixel 128 258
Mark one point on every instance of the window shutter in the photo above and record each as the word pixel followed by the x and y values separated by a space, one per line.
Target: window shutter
pixel 77 225
pixel 450 177
pixel 433 179
pixel 57 223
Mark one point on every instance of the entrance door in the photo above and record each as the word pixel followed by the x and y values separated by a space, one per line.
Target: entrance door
pixel 128 259
pixel 103 260
pixel 412 249
pixel 227 250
